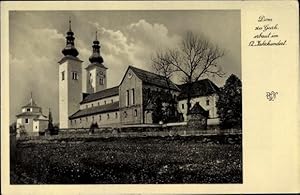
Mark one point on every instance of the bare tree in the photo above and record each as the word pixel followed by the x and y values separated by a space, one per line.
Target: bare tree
pixel 162 67
pixel 195 58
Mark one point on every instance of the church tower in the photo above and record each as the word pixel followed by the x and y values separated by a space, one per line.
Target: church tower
pixel 70 81
pixel 96 71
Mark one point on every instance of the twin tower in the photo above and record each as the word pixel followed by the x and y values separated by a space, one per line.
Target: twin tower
pixel 70 78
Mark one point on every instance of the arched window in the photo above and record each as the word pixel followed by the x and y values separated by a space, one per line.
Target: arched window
pixel 101 81
pixel 135 112
pixel 132 96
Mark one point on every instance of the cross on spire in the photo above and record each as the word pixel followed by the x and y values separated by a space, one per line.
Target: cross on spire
pixel 70 49
pixel 70 29
pixel 31 99
pixel 96 57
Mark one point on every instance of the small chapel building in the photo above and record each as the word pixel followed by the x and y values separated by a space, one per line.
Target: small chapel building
pixel 120 105
pixel 31 120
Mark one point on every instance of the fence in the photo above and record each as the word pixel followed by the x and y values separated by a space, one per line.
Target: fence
pixel 144 130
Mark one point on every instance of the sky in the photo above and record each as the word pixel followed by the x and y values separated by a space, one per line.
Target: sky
pixel 36 39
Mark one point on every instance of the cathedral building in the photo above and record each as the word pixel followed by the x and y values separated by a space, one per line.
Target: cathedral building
pixel 120 105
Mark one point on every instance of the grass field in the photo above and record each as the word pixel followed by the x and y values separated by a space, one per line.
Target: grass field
pixel 128 160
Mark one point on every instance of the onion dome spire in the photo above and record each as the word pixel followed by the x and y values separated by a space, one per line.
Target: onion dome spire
pixel 70 49
pixel 96 57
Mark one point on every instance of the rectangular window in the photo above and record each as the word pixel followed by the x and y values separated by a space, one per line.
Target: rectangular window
pixel 125 114
pixel 26 120
pixel 74 76
pixel 116 115
pixel 100 117
pixel 75 121
pixel 105 102
pixel 80 120
pixel 182 106
pixel 133 97
pixel 63 75
pixel 107 116
pixel 92 105
pixel 112 101
pixel 93 118
pixel 127 97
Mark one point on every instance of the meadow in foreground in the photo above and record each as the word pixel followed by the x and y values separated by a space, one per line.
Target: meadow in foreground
pixel 129 160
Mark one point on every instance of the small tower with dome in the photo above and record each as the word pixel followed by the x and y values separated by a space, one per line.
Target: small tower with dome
pixel 31 120
pixel 96 71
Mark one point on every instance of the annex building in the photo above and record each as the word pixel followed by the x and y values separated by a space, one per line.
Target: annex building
pixel 123 104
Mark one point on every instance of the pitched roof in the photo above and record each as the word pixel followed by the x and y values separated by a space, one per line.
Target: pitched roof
pixel 96 110
pixel 197 109
pixel 31 104
pixel 199 88
pixel 101 94
pixel 36 114
pixel 41 118
pixel 153 79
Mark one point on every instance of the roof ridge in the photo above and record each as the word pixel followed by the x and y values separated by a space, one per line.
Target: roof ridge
pixel 147 71
pixel 210 83
pixel 148 74
pixel 195 81
pixel 105 89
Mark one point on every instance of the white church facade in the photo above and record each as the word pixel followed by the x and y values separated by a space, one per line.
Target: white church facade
pixel 123 104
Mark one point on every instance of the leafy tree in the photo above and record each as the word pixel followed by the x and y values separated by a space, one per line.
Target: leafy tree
pixel 162 105
pixel 157 114
pixel 93 127
pixel 13 128
pixel 229 104
pixel 53 130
